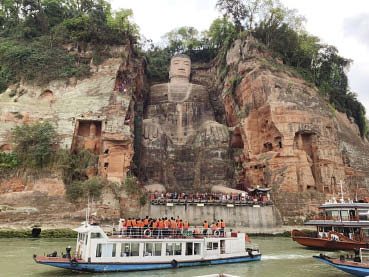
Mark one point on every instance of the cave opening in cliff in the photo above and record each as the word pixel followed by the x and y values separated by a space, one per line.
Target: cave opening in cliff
pixel 87 136
pixel 236 140
pixel 306 141
pixel 85 127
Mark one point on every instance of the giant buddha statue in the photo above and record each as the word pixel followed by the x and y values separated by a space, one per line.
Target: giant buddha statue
pixel 183 148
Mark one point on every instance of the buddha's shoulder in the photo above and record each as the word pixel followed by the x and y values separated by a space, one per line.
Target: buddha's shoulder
pixel 159 88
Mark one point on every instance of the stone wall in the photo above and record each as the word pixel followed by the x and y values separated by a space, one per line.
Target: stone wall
pixel 251 217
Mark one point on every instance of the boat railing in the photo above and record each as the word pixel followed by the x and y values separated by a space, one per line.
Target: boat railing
pixel 191 232
pixel 335 218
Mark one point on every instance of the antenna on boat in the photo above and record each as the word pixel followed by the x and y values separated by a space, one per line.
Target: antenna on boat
pixel 88 211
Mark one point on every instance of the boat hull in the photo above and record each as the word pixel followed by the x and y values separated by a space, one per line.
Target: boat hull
pixel 327 244
pixel 115 267
pixel 353 268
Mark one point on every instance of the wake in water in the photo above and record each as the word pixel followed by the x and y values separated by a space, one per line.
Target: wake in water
pixel 286 257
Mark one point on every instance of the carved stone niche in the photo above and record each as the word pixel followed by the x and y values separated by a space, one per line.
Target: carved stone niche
pixel 87 136
pixel 236 140
pixel 7 148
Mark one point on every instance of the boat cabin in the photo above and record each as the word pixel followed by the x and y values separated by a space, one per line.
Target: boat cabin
pixel 94 245
pixel 348 219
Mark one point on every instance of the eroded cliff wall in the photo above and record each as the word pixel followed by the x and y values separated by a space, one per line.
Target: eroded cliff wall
pixel 285 135
pixel 95 114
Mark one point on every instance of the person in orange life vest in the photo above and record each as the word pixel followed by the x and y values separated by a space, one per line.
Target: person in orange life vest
pixel 160 227
pixel 173 226
pixel 222 226
pixel 206 227
pixel 146 222
pixel 166 227
pixel 154 227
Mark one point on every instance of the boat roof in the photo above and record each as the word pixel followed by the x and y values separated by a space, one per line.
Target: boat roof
pixel 85 228
pixel 337 223
pixel 344 206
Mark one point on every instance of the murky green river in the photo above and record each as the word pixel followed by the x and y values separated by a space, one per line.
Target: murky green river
pixel 281 257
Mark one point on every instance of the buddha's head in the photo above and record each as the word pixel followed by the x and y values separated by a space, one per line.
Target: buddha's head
pixel 180 67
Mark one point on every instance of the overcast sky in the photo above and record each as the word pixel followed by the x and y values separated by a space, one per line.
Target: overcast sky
pixel 344 24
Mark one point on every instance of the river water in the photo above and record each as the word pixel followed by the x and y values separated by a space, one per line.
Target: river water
pixel 281 257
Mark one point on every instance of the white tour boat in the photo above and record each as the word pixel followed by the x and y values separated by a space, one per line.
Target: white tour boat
pixel 146 249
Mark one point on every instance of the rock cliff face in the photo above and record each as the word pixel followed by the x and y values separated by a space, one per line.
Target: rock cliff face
pixel 285 135
pixel 248 121
pixel 96 114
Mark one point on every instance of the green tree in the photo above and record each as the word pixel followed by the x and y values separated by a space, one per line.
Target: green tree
pixel 235 9
pixel 35 144
pixel 183 39
pixel 220 30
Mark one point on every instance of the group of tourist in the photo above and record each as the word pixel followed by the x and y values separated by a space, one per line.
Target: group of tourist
pixel 198 197
pixel 168 227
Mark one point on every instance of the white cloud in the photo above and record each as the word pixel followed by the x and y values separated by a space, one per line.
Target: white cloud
pixel 158 17
pixel 358 28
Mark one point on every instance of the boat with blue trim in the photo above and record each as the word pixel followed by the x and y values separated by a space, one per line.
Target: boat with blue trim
pixel 357 265
pixel 136 249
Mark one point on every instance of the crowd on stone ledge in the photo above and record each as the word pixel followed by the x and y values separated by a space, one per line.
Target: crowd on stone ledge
pixel 213 196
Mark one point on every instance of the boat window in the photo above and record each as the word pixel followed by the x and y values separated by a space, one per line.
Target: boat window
pixel 98 250
pixel 106 250
pixel 178 249
pixel 114 250
pixel 130 249
pixel 335 215
pixel 157 249
pixel 345 215
pixel 135 249
pixel 152 249
pixel 125 249
pixel 86 237
pixel 173 249
pixel 189 248
pixel 95 235
pixel 363 215
pixel 169 249
pixel 197 249
pixel 212 246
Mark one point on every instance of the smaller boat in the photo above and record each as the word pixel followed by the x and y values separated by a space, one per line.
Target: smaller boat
pixel 357 266
pixel 340 226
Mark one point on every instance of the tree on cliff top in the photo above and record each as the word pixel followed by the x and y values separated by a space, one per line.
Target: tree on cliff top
pixel 281 30
pixel 33 34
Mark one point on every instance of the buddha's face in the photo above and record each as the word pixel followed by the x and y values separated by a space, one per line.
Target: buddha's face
pixel 180 67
